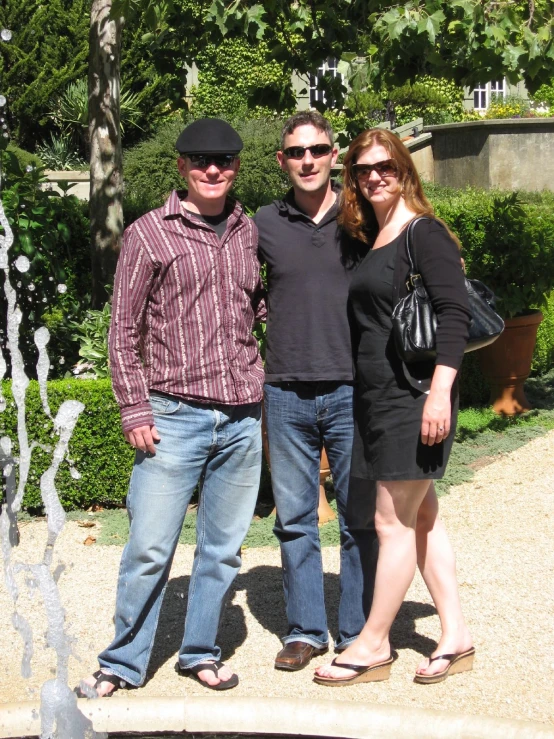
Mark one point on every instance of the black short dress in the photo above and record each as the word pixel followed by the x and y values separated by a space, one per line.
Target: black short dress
pixel 387 408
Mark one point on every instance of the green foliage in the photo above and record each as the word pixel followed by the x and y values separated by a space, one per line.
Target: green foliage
pixel 150 168
pixel 92 334
pixel 49 49
pixel 235 78
pixel 97 448
pixel 543 358
pixel 260 179
pixel 25 158
pixel 433 99
pixel 544 96
pixel 59 153
pixel 466 41
pixel 508 244
pixel 70 112
pixel 52 233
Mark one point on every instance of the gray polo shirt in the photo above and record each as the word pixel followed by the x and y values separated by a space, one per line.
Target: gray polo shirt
pixel 308 334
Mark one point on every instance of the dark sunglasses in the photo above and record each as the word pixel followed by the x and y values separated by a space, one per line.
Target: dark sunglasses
pixel 203 161
pixel 383 169
pixel 317 150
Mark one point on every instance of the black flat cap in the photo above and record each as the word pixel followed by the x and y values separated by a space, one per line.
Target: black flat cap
pixel 209 136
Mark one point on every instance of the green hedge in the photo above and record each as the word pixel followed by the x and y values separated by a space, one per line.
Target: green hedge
pixel 97 448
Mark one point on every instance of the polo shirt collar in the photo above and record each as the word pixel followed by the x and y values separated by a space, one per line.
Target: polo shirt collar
pixel 289 207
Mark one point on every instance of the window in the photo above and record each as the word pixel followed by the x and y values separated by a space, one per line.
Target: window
pixel 328 68
pixel 480 97
pixel 484 91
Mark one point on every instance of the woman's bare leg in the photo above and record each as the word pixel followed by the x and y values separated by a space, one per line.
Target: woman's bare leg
pixel 395 520
pixel 437 564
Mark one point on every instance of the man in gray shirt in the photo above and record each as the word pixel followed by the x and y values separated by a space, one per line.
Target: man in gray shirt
pixel 308 392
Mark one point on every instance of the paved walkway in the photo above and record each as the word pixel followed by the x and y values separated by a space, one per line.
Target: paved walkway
pixel 502 529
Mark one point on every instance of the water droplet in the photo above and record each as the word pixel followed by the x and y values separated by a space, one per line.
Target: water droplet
pixel 31 287
pixel 62 288
pixel 44 300
pixel 29 168
pixel 50 279
pixel 6 135
pixel 3 101
pixel 4 127
pixel 19 284
pixel 23 206
pixel 22 264
pixel 6 34
pixel 62 360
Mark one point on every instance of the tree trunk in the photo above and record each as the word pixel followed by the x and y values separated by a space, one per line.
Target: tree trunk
pixel 106 165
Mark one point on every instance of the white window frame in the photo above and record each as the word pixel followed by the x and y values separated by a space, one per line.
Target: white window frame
pixel 329 66
pixel 483 92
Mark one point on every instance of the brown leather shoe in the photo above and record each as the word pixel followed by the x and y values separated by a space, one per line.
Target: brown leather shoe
pixel 296 655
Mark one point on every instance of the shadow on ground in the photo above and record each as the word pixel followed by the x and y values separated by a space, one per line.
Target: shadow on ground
pixel 264 594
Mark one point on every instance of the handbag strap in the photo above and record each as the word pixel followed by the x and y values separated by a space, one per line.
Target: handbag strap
pixel 414 278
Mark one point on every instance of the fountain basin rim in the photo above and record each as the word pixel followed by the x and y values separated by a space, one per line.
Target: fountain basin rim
pixel 289 717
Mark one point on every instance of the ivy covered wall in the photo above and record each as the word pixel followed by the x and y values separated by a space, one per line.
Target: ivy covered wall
pixel 237 80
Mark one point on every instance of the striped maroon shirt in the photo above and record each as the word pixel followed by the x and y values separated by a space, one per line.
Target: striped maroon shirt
pixel 184 307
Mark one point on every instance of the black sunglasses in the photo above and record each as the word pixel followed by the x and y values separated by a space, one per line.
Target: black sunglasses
pixel 385 168
pixel 203 161
pixel 317 150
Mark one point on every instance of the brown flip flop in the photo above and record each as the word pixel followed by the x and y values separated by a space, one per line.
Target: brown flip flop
pixel 461 662
pixel 364 673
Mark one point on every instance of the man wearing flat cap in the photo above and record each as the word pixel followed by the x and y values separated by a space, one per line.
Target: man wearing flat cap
pixel 188 378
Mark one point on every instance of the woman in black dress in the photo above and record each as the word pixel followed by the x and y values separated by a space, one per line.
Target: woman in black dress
pixel 405 415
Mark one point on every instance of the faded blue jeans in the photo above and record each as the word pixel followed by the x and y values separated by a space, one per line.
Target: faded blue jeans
pixel 219 446
pixel 301 417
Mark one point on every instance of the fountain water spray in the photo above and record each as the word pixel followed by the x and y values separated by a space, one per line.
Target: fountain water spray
pixel 60 716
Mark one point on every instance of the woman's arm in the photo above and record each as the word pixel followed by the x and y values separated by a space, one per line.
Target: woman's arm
pixel 435 423
pixel 438 260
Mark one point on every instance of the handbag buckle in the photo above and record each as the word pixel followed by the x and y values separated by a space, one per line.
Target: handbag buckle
pixel 410 282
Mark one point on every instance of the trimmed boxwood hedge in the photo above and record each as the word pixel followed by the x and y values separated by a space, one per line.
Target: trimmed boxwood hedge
pixel 97 448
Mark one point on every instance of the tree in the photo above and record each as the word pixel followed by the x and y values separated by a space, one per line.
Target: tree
pixel 172 49
pixel 464 40
pixel 48 50
pixel 106 175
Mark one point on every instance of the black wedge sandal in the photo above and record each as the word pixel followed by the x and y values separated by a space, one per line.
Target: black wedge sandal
pixel 101 677
pixel 215 667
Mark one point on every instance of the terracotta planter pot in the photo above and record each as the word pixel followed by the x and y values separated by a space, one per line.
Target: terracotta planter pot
pixel 324 511
pixel 506 363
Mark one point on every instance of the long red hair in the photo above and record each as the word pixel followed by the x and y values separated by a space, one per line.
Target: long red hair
pixel 356 215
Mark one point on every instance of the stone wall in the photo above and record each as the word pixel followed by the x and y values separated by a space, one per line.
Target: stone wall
pixel 512 154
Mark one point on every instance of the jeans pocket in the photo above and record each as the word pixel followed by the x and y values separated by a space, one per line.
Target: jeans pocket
pixel 163 406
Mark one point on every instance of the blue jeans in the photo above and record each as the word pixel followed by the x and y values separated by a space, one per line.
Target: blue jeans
pixel 301 417
pixel 219 446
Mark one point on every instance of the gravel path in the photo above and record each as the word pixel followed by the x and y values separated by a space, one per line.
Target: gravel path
pixel 502 529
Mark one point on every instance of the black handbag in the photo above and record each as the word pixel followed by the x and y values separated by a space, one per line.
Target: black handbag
pixel 415 323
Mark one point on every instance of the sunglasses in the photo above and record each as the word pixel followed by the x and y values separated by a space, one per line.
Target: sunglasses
pixel 203 161
pixel 385 168
pixel 317 150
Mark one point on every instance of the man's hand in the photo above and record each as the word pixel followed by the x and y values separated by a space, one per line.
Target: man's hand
pixel 143 438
